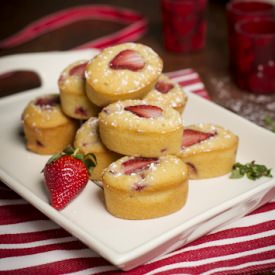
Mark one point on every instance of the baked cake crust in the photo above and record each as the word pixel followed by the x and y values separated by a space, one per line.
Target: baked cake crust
pixel 47 129
pixel 154 190
pixel 213 156
pixel 127 133
pixel 107 83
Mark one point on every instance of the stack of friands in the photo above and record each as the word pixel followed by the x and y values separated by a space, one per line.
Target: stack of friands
pixel 129 114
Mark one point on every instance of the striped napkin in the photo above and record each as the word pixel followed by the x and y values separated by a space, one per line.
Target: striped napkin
pixel 30 243
pixel 135 25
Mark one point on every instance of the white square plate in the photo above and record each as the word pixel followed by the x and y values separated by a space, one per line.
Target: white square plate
pixel 127 244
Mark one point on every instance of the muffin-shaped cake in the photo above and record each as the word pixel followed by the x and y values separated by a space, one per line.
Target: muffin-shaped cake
pixel 47 129
pixel 74 100
pixel 88 141
pixel 166 92
pixel 124 71
pixel 143 188
pixel 208 150
pixel 136 128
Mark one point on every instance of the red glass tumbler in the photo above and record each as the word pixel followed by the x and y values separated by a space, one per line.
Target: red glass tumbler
pixel 255 55
pixel 184 25
pixel 238 10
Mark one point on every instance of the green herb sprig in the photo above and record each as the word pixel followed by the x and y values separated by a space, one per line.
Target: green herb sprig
pixel 269 122
pixel 252 170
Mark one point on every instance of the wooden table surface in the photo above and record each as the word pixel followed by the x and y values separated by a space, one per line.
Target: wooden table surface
pixel 211 63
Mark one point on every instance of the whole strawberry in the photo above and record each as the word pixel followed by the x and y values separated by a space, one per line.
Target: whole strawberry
pixel 66 174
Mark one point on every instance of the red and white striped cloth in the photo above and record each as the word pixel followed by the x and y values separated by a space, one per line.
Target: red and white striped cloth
pixel 190 81
pixel 30 243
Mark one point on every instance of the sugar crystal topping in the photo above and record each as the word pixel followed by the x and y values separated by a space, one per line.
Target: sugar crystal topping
pixel 123 80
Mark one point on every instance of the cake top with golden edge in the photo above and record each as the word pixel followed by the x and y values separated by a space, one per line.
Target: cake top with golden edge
pixel 140 116
pixel 44 111
pixel 136 174
pixel 87 137
pixel 204 137
pixel 123 68
pixel 72 78
pixel 168 93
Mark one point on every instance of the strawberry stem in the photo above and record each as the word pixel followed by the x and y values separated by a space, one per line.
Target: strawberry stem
pixel 90 162
pixel 69 150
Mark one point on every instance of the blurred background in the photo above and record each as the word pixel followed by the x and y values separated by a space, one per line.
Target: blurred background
pixel 211 63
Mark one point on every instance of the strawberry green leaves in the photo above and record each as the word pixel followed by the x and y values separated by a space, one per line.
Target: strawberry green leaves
pixel 269 123
pixel 89 159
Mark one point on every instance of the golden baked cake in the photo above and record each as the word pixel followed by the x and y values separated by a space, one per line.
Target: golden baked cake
pixel 166 92
pixel 47 129
pixel 208 150
pixel 136 128
pixel 124 71
pixel 74 100
pixel 144 188
pixel 88 141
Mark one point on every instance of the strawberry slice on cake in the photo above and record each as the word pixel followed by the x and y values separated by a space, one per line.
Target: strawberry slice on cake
pixel 128 60
pixel 144 110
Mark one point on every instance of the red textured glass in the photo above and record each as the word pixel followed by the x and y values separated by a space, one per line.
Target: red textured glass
pixel 184 24
pixel 255 55
pixel 239 10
